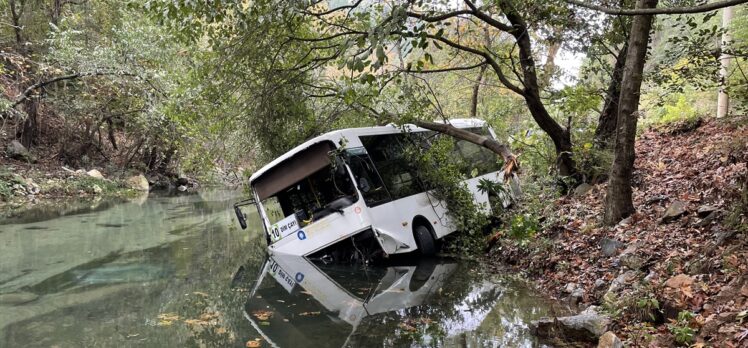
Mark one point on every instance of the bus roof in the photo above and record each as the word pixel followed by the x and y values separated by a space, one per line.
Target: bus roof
pixel 349 132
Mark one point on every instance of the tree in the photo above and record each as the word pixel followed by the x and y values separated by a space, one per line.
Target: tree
pixel 421 26
pixel 723 100
pixel 619 200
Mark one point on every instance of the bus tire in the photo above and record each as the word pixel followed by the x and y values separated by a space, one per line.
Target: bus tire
pixel 425 240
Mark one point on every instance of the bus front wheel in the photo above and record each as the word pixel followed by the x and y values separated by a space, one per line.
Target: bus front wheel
pixel 425 240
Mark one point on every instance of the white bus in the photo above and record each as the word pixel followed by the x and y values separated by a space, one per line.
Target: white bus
pixel 351 194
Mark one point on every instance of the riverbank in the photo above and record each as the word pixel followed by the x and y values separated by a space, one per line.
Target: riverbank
pixel 25 183
pixel 676 272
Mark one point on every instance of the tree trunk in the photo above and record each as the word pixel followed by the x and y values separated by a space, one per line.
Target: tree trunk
pixel 723 100
pixel 16 10
pixel 491 144
pixel 618 200
pixel 30 128
pixel 56 11
pixel 606 124
pixel 476 89
pixel 560 136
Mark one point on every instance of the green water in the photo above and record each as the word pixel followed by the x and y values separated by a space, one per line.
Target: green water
pixel 177 272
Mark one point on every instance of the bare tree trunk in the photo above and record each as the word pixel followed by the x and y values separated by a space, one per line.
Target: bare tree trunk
pixel 618 200
pixel 606 124
pixel 476 89
pixel 723 100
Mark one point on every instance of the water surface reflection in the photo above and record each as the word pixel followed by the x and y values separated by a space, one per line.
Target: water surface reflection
pixel 174 272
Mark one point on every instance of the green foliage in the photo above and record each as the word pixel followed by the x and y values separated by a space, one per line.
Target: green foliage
pixel 440 171
pixel 641 334
pixel 7 180
pixel 682 328
pixel 523 226
pixel 681 110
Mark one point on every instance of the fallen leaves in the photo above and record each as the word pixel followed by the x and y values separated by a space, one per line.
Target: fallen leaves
pixel 262 315
pixel 166 319
pixel 254 343
pixel 700 169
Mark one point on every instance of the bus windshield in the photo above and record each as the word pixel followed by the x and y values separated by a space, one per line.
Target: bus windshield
pixel 320 194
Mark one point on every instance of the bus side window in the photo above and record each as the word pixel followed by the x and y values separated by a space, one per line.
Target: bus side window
pixel 368 180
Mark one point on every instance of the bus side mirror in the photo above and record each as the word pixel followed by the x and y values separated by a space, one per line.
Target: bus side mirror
pixel 240 216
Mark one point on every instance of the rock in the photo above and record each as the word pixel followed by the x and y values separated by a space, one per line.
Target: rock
pixel 679 281
pixel 722 236
pixel 609 340
pixel 138 182
pixel 626 222
pixel 599 284
pixel 95 174
pixel 655 199
pixel 651 277
pixel 576 297
pixel 632 261
pixel 713 322
pixel 705 210
pixel 80 172
pixel 31 187
pixel 622 280
pixel 17 151
pixel 610 246
pixel 181 188
pixel 97 190
pixel 587 326
pixel 582 189
pixel 182 181
pixel 707 220
pixel 570 288
pixel 17 298
pixel 675 211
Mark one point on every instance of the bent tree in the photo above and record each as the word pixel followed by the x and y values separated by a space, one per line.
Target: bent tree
pixel 365 35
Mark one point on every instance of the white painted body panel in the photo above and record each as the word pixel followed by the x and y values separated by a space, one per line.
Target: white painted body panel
pixel 392 222
pixel 392 292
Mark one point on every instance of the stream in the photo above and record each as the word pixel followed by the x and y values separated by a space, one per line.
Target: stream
pixel 176 271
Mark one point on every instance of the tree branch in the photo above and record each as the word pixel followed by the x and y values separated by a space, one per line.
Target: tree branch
pixel 27 93
pixel 655 11
pixel 457 68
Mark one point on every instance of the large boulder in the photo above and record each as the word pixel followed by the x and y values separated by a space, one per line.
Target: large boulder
pixel 17 151
pixel 138 182
pixel 587 326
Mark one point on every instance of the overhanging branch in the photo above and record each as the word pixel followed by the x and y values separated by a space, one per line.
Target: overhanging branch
pixel 655 11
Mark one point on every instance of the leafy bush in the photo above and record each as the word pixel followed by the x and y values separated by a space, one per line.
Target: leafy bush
pixel 681 328
pixel 7 180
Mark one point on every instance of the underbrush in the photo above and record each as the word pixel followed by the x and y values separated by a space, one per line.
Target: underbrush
pixel 7 180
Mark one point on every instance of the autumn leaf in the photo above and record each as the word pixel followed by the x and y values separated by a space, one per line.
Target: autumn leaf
pixel 262 315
